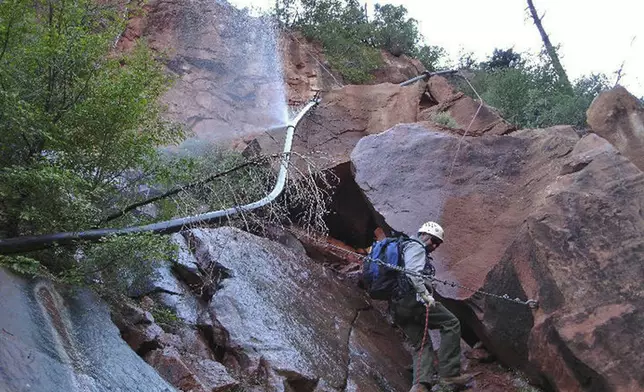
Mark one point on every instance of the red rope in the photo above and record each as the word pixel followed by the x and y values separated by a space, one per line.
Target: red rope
pixel 422 345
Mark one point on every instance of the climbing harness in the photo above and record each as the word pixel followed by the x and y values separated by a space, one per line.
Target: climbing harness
pixel 531 303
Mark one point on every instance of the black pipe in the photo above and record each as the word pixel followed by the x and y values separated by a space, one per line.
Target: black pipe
pixel 38 242
pixel 426 75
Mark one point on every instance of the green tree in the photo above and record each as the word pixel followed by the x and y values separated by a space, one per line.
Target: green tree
pixel 394 31
pixel 351 42
pixel 75 118
pixel 528 92
pixel 431 56
pixel 503 58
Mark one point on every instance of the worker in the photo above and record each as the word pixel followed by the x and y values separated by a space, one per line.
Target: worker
pixel 409 309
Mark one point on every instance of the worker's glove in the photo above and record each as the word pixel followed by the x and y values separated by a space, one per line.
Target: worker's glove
pixel 426 299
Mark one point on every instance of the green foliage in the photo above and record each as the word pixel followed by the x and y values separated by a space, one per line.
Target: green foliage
pixel 165 317
pixel 22 265
pixel 394 31
pixel 528 94
pixel 75 120
pixel 342 28
pixel 444 118
pixel 503 58
pixel 351 42
pixel 199 161
pixel 431 56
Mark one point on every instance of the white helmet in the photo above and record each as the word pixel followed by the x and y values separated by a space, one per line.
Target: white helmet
pixel 432 228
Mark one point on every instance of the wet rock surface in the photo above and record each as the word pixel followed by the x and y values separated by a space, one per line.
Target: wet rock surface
pixel 54 340
pixel 277 321
pixel 538 214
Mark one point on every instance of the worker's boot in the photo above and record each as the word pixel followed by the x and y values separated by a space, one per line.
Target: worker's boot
pixel 419 388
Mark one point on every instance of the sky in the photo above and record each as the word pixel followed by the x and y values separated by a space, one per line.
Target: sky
pixel 595 35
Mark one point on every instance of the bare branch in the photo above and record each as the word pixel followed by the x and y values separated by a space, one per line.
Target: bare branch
pixel 186 187
pixel 550 49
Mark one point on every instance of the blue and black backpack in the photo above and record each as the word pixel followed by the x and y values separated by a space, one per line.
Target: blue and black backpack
pixel 383 283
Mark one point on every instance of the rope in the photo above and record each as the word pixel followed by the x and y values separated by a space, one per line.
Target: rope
pixel 422 345
pixel 458 147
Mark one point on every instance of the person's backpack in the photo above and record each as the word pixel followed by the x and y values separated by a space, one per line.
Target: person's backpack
pixel 381 282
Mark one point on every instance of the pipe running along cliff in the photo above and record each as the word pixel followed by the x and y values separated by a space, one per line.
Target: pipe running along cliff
pixel 31 243
pixel 426 75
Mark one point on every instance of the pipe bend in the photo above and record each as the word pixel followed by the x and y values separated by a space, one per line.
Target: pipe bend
pixel 31 243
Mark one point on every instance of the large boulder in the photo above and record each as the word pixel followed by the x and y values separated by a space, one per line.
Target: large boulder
pixel 396 69
pixel 617 116
pixel 540 214
pixel 64 341
pixel 275 321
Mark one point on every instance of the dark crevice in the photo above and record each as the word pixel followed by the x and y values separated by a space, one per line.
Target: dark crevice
pixel 427 101
pixel 207 332
pixel 574 168
pixel 345 382
pixel 350 219
pixel 147 347
pixel 204 282
pixel 157 290
pixel 298 383
pixel 588 378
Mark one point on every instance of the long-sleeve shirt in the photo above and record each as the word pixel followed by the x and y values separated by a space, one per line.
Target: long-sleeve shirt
pixel 414 255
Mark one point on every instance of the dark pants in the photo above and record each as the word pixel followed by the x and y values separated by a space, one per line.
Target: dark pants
pixel 409 315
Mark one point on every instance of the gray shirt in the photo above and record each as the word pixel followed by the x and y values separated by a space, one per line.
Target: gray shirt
pixel 414 255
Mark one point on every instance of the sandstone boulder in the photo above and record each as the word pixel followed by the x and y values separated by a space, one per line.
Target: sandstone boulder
pixel 305 68
pixel 617 116
pixel 396 69
pixel 537 214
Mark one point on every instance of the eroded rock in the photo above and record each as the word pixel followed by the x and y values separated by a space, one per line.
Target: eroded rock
pixel 55 340
pixel 277 321
pixel 537 214
pixel 286 318
pixel 328 135
pixel 463 110
pixel 617 116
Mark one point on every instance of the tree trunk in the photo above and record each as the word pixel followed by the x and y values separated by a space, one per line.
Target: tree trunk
pixel 552 53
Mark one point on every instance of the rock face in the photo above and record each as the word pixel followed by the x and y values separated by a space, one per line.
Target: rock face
pixel 538 214
pixel 617 116
pixel 328 135
pixel 221 93
pixel 461 108
pixel 305 69
pixel 264 318
pixel 53 340
pixel 396 69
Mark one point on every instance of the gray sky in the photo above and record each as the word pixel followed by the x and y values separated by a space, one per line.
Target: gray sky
pixel 593 38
